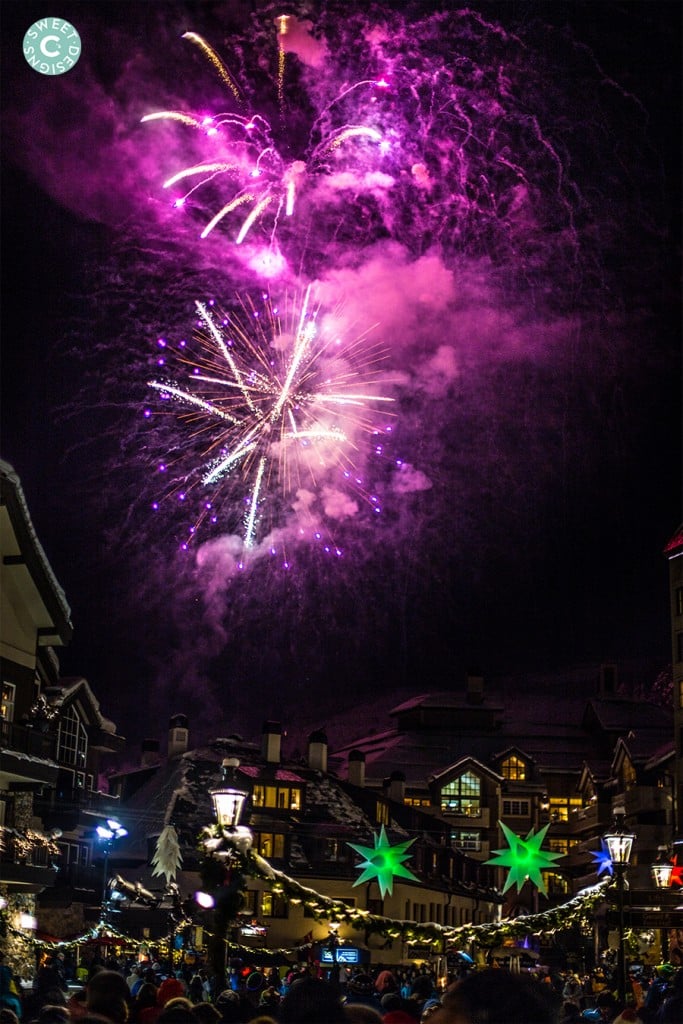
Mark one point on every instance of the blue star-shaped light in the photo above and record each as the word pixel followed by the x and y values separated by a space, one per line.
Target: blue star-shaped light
pixel 602 861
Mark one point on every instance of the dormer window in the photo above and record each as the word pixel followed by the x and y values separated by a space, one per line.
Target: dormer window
pixel 628 774
pixel 73 742
pixel 285 798
pixel 513 769
pixel 462 795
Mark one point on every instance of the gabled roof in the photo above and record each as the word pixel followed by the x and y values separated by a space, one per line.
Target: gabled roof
pixel 661 756
pixel 597 771
pixel 675 545
pixel 622 716
pixel 443 699
pixel 77 689
pixel 513 751
pixel 23 554
pixel 460 765
pixel 640 751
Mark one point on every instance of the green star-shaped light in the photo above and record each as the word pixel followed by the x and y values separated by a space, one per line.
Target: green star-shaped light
pixel 525 858
pixel 383 862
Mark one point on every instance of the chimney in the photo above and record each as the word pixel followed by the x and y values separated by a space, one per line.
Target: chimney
pixel 317 751
pixel 356 769
pixel 150 753
pixel 271 740
pixel 177 736
pixel 475 688
pixel 397 787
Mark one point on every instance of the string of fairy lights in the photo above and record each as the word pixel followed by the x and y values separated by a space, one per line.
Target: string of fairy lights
pixel 219 846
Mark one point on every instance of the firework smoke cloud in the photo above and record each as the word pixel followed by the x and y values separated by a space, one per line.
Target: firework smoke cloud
pixel 370 284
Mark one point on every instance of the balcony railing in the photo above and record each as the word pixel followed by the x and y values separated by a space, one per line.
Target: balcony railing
pixel 17 848
pixel 25 739
pixel 64 807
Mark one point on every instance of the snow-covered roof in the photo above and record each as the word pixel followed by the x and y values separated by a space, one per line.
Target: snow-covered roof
pixel 11 478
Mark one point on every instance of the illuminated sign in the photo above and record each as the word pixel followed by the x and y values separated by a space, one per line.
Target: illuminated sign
pixel 253 929
pixel 343 955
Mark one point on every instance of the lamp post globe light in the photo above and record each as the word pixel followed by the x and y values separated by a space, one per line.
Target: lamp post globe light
pixel 619 843
pixel 661 871
pixel 108 833
pixel 228 799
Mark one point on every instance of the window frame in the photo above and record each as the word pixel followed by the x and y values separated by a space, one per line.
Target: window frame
pixel 460 799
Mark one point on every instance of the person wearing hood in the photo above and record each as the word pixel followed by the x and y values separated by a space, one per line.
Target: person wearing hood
pixel 361 991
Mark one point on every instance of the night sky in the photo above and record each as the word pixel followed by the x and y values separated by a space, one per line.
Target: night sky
pixel 515 237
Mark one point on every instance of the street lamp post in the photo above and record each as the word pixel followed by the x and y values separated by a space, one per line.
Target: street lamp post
pixel 228 800
pixel 662 870
pixel 109 833
pixel 619 843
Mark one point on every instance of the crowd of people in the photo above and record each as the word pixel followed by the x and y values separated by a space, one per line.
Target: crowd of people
pixel 117 992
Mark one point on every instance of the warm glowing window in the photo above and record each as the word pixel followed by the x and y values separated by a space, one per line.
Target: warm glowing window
pixel 513 768
pixel 629 774
pixel 7 706
pixel 273 905
pixel 558 845
pixel 556 884
pixel 561 807
pixel 286 798
pixel 270 844
pixel 462 795
pixel 417 801
pixel 381 813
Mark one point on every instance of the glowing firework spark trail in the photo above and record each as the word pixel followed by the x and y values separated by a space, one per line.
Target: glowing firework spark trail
pixel 270 404
pixel 259 174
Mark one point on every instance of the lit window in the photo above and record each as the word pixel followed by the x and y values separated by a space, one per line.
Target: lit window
pixel 628 773
pixel 270 844
pixel 514 768
pixel 273 905
pixel 464 840
pixel 381 813
pixel 282 797
pixel 561 807
pixel 462 795
pixel 7 705
pixel 556 884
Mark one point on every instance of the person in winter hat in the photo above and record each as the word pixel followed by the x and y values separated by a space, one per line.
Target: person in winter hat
pixel 361 992
pixel 108 996
pixel 171 988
